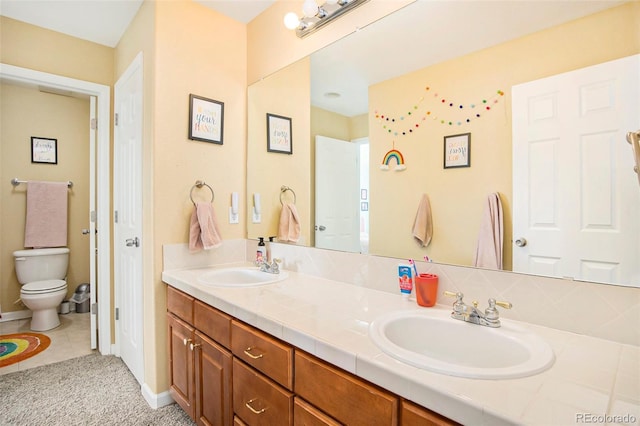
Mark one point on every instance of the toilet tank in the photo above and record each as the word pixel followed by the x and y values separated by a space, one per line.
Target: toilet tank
pixel 41 264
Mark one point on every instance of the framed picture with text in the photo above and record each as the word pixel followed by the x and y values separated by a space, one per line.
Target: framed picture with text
pixel 279 134
pixel 457 151
pixel 206 119
pixel 44 150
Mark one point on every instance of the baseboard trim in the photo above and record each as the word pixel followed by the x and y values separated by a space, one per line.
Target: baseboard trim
pixel 156 400
pixel 15 315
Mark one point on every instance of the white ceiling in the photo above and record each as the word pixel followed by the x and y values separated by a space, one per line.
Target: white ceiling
pixel 104 21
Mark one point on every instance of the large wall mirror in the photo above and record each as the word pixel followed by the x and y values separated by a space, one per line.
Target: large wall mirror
pixel 372 115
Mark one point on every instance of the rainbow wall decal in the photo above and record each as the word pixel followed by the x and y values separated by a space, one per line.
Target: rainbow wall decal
pixel 394 153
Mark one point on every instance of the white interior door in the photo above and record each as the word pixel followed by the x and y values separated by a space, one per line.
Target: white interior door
pixel 127 199
pixel 337 195
pixel 93 282
pixel 575 197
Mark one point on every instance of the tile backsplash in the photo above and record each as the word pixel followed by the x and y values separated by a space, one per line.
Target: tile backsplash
pixel 598 310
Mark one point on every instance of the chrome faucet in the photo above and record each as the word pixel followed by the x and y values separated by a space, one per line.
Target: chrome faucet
pixel 462 311
pixel 271 268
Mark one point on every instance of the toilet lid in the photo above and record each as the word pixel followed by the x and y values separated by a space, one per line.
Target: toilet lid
pixel 46 286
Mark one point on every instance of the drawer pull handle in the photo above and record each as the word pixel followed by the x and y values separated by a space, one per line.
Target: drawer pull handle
pixel 193 346
pixel 249 354
pixel 186 341
pixel 253 410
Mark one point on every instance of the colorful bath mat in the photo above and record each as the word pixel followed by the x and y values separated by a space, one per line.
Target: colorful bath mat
pixel 18 347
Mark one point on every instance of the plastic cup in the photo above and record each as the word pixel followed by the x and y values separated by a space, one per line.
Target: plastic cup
pixel 426 289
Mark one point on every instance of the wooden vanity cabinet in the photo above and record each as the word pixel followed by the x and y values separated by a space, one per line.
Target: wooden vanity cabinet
pixel 200 369
pixel 341 395
pixel 415 415
pixel 305 414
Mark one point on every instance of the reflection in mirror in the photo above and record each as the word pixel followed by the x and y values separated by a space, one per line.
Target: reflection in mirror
pixel 422 87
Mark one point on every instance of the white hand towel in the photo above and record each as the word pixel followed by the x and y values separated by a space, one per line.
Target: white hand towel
pixel 289 226
pixel 46 223
pixel 204 232
pixel 422 229
pixel 490 239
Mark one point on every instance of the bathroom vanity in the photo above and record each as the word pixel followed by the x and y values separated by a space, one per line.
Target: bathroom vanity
pixel 300 348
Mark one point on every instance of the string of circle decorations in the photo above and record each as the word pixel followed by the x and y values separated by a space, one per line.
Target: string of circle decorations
pixel 411 120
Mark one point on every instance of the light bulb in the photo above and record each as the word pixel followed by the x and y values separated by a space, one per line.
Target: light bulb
pixel 331 1
pixel 291 21
pixel 310 8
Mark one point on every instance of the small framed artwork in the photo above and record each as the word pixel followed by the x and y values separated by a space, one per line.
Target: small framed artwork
pixel 457 151
pixel 44 150
pixel 206 119
pixel 364 206
pixel 279 134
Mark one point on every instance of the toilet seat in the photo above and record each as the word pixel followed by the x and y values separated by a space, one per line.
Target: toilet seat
pixel 43 287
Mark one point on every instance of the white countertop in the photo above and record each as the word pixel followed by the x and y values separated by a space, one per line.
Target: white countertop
pixel 592 380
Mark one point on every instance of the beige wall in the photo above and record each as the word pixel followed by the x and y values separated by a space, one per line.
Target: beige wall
pixel 187 49
pixel 27 112
pixel 457 195
pixel 33 47
pixel 281 94
pixel 271 46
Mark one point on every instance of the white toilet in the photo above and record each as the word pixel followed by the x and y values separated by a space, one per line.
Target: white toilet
pixel 41 273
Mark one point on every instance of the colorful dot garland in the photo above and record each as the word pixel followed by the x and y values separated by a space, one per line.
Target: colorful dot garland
pixel 389 122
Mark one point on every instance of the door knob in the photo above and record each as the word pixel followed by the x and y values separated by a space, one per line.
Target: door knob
pixel 521 242
pixel 131 242
pixel 85 231
pixel 322 227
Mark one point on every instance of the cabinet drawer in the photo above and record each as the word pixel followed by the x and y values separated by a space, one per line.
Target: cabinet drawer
pixel 213 323
pixel 180 304
pixel 263 352
pixel 305 414
pixel 258 400
pixel 346 398
pixel 415 415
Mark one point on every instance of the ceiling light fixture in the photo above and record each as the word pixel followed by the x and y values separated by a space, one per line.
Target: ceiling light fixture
pixel 315 17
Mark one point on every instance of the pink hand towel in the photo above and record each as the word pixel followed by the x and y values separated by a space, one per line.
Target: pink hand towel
pixel 46 223
pixel 423 224
pixel 289 226
pixel 490 239
pixel 204 232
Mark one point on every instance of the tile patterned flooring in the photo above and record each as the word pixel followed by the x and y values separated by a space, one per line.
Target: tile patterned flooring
pixel 71 339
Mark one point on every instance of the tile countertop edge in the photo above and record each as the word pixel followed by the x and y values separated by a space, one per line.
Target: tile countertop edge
pixel 464 400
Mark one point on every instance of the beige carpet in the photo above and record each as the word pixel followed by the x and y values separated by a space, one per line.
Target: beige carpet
pixel 90 390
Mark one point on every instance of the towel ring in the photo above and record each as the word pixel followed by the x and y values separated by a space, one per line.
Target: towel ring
pixel 284 189
pixel 200 184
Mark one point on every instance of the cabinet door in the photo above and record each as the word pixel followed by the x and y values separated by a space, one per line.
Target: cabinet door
pixel 415 415
pixel 213 382
pixel 182 387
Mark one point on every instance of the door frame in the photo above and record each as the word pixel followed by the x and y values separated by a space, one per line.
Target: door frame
pixel 102 93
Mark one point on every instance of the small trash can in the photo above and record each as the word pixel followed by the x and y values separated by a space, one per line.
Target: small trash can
pixel 82 298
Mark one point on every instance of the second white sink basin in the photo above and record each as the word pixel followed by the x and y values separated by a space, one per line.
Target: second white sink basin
pixel 430 339
pixel 240 277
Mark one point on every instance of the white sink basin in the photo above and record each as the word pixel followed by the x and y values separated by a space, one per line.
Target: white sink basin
pixel 430 339
pixel 240 277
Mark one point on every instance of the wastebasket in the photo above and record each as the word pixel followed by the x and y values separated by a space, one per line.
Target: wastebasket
pixel 82 298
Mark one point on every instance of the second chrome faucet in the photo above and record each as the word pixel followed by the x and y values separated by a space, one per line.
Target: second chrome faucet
pixel 470 313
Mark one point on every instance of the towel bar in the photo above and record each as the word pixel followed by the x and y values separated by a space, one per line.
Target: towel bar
pixel 16 182
pixel 284 189
pixel 200 184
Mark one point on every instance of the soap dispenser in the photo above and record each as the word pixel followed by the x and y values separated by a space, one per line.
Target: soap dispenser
pixel 269 257
pixel 261 253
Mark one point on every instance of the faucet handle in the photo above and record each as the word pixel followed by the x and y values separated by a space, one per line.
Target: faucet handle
pixel 457 295
pixel 506 305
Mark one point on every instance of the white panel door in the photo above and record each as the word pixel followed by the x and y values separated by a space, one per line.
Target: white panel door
pixel 337 195
pixel 127 200
pixel 93 281
pixel 575 199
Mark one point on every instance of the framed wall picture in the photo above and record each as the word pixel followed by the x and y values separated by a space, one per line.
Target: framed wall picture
pixel 457 151
pixel 44 150
pixel 279 134
pixel 206 120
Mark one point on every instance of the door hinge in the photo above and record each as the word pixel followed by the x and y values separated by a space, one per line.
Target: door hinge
pixel 115 216
pixel 94 124
pixel 94 309
pixel 93 216
pixel 116 118
pixel 117 314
